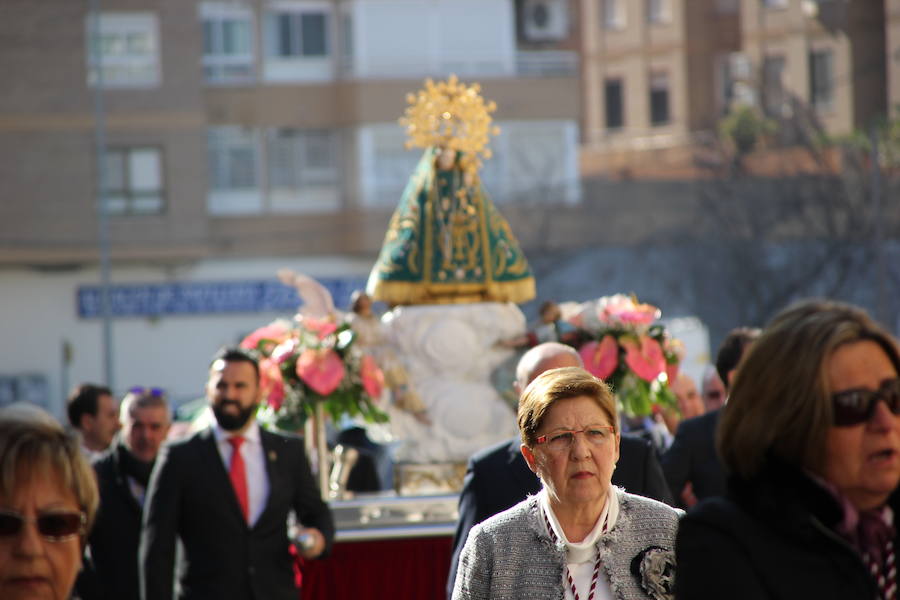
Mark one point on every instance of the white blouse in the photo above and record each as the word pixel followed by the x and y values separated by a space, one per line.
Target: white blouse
pixel 581 556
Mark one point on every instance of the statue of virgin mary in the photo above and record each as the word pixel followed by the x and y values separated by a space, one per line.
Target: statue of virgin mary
pixel 453 272
pixel 446 242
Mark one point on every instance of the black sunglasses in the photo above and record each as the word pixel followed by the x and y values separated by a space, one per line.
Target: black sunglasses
pixel 852 407
pixel 54 526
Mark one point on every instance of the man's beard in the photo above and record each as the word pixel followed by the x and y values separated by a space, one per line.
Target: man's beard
pixel 230 421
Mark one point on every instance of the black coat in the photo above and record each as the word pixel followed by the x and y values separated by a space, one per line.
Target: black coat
pixel 190 496
pixel 692 458
pixel 770 539
pixel 111 565
pixel 498 478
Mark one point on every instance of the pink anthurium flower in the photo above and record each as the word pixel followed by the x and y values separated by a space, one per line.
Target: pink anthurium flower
pixel 623 309
pixel 271 383
pixel 321 327
pixel 321 369
pixel 601 358
pixel 372 377
pixel 276 332
pixel 644 356
pixel 284 350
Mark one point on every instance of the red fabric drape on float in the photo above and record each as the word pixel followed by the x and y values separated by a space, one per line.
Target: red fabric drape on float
pixel 384 569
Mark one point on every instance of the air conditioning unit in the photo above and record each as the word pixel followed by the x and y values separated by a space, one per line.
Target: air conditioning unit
pixel 545 20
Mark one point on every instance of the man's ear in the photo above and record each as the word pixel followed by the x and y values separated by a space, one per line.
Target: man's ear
pixel 86 423
pixel 529 458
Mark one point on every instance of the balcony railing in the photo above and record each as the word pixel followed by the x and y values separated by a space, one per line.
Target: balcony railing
pixel 530 63
pixel 543 63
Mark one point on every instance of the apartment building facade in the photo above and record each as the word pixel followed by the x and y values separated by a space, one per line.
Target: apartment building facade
pixel 658 75
pixel 227 139
pixel 824 58
pixel 655 77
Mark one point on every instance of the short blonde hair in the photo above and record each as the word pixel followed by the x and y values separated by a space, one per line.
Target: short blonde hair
pixel 31 439
pixel 780 401
pixel 560 384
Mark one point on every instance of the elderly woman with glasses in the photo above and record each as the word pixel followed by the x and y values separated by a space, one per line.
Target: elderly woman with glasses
pixel 579 537
pixel 48 498
pixel 811 439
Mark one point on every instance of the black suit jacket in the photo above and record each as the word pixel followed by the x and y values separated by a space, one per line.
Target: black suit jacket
pixel 692 457
pixel 190 497
pixel 111 566
pixel 498 477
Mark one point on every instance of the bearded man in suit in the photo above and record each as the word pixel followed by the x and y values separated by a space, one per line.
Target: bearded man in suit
pixel 498 477
pixel 225 493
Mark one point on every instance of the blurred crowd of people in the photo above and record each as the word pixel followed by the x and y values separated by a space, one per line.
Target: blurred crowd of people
pixel 779 480
pixel 94 512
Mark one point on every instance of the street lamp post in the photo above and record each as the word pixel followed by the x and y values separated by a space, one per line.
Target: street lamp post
pixel 102 201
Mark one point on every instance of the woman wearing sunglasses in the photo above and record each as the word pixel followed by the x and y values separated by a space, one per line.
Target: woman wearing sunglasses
pixel 48 499
pixel 579 537
pixel 811 439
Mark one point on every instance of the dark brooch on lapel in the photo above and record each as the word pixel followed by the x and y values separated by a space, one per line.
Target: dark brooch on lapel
pixel 273 456
pixel 654 568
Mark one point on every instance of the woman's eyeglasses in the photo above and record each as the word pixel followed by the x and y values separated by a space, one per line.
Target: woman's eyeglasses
pixel 54 526
pixel 852 407
pixel 564 439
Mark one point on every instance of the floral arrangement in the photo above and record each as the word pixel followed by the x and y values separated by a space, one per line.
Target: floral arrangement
pixel 314 360
pixel 630 350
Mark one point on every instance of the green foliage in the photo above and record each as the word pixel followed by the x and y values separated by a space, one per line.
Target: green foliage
pixel 745 128
pixel 859 141
pixel 292 410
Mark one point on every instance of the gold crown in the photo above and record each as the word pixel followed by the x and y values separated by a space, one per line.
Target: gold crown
pixel 450 114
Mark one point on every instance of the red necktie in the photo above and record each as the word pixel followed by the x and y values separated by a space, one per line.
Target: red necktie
pixel 238 475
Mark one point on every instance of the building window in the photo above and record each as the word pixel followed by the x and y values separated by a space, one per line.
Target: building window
pixel 821 79
pixel 301 33
pixel 227 42
pixel 303 169
pixel 133 181
pixel 657 11
pixel 128 49
pixel 727 7
pixel 775 3
pixel 385 164
pixel 302 158
pixel 612 96
pixel 725 82
pixel 614 14
pixel 659 98
pixel 233 157
pixel 347 43
pixel 773 85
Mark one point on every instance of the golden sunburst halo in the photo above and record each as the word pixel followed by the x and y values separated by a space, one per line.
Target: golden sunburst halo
pixel 450 114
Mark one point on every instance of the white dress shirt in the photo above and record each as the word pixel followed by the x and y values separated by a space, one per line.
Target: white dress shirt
pixel 254 466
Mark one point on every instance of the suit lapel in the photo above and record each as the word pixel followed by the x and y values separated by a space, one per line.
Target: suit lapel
pixel 519 468
pixel 123 485
pixel 271 456
pixel 212 460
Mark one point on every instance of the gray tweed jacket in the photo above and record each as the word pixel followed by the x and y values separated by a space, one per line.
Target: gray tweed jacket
pixel 510 556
